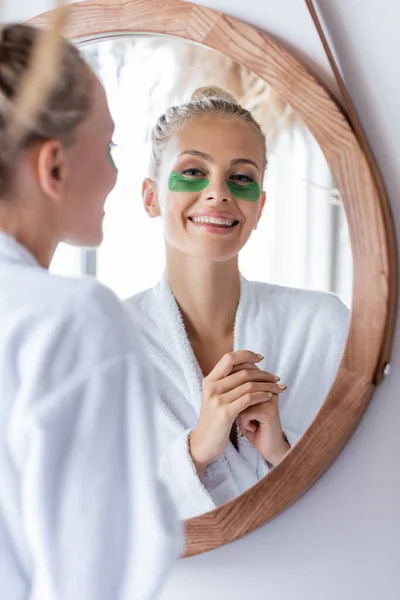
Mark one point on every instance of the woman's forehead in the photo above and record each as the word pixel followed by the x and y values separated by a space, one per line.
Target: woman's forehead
pixel 217 138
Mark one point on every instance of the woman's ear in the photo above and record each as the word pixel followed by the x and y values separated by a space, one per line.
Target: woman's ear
pixel 150 198
pixel 261 205
pixel 51 168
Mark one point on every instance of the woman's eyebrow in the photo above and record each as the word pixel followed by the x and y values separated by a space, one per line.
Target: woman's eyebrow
pixel 244 161
pixel 197 153
pixel 234 162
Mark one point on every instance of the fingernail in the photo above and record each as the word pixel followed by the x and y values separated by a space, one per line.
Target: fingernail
pixel 282 386
pixel 277 378
pixel 270 394
pixel 260 356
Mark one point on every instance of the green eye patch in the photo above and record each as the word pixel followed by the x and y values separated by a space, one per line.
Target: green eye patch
pixel 180 183
pixel 110 148
pixel 249 191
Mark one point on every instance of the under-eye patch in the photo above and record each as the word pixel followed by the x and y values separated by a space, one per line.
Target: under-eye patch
pixel 249 191
pixel 181 183
pixel 111 146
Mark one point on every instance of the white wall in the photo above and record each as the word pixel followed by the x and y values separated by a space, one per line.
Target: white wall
pixel 339 542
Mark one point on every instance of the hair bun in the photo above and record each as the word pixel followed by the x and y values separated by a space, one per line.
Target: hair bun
pixel 213 91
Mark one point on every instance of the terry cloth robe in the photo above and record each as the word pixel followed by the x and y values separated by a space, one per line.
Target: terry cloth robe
pixel 300 333
pixel 82 514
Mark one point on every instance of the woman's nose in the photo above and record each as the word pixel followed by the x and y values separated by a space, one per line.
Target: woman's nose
pixel 218 192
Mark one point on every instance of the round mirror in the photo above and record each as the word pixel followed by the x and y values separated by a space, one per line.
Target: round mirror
pixel 219 247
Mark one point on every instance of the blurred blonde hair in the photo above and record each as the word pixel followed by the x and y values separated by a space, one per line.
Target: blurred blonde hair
pixel 64 108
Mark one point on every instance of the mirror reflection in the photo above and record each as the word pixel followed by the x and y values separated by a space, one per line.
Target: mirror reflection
pixel 227 238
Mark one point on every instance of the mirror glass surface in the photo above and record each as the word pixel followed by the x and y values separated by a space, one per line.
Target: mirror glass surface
pixel 167 262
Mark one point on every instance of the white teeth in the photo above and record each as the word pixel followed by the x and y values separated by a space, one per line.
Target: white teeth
pixel 213 220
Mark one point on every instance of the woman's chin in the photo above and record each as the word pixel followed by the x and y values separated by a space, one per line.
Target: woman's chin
pixel 215 248
pixel 88 239
pixel 222 250
pixel 95 240
pixel 216 255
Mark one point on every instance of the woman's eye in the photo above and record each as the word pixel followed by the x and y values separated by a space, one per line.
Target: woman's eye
pixel 192 173
pixel 242 178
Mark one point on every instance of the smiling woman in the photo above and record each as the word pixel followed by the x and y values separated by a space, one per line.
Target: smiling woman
pixel 217 341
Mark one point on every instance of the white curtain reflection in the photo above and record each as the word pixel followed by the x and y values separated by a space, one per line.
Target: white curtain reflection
pixel 302 239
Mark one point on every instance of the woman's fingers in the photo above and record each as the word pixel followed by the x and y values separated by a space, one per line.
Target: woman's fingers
pixel 246 425
pixel 251 387
pixel 245 376
pixel 229 361
pixel 238 406
pixel 244 366
pixel 260 413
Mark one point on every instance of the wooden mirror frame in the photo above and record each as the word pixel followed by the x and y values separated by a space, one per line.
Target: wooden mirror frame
pixel 371 232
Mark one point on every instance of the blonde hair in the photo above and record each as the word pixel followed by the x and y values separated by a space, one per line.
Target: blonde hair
pixel 65 108
pixel 206 100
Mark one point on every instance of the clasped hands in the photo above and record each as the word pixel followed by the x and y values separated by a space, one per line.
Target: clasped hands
pixel 236 389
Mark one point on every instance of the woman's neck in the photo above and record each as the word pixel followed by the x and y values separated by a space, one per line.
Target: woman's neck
pixel 24 227
pixel 207 294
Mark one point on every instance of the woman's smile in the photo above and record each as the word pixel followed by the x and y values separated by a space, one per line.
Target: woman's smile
pixel 215 222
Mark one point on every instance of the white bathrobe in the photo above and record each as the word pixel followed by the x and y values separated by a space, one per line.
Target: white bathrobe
pixel 82 514
pixel 301 335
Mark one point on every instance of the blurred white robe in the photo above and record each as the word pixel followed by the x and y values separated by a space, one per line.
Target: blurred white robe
pixel 300 333
pixel 82 513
